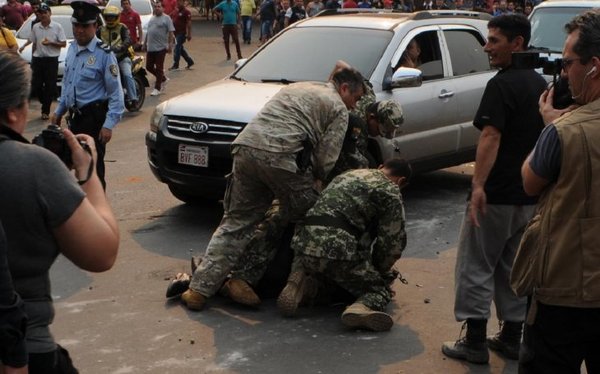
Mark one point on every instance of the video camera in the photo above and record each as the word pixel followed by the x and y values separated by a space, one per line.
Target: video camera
pixel 53 139
pixel 532 59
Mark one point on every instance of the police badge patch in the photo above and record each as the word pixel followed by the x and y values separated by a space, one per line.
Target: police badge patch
pixel 114 70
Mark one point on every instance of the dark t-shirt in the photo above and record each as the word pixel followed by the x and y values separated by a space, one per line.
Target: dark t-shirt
pixel 510 104
pixel 37 194
pixel 267 11
pixel 180 18
pixel 545 159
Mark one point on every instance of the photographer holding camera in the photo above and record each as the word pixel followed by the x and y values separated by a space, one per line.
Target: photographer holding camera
pixel 45 211
pixel 563 328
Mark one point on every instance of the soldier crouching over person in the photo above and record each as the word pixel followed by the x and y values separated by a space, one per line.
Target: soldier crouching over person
pixel 352 236
pixel 283 153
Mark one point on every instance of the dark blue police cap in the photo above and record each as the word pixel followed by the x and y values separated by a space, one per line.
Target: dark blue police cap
pixel 84 12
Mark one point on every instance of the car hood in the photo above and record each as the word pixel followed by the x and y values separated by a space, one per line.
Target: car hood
pixel 227 100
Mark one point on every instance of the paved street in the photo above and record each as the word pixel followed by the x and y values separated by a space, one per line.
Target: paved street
pixel 119 322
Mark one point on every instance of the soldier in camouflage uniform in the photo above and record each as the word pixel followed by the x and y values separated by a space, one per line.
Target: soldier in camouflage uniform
pixel 334 240
pixel 293 141
pixel 380 119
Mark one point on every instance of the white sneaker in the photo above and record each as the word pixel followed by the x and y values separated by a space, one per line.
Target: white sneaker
pixel 164 84
pixel 155 92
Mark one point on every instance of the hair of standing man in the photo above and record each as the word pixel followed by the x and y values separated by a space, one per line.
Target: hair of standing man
pixel 511 26
pixel 588 43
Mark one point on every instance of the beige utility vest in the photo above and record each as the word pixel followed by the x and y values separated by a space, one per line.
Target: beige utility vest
pixel 569 259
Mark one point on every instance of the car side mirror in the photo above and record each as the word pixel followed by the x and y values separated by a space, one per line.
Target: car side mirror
pixel 239 63
pixel 406 77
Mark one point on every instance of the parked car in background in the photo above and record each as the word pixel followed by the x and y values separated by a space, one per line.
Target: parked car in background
pixel 190 135
pixel 61 14
pixel 548 20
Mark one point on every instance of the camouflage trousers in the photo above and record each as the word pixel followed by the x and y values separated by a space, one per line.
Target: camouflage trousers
pixel 360 278
pixel 262 248
pixel 251 188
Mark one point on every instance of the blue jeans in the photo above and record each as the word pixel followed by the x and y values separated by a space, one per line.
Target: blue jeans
pixel 266 29
pixel 247 28
pixel 125 67
pixel 180 51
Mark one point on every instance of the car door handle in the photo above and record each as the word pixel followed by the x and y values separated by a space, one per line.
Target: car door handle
pixel 445 94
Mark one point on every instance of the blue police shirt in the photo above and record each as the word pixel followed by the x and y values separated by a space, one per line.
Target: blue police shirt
pixel 92 74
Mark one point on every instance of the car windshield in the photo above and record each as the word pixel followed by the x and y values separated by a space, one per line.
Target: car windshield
pixel 292 57
pixel 143 7
pixel 64 20
pixel 547 27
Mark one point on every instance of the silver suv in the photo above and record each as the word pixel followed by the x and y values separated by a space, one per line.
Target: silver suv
pixel 189 138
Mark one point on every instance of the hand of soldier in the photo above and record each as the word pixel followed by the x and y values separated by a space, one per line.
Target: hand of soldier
pixel 477 205
pixel 105 135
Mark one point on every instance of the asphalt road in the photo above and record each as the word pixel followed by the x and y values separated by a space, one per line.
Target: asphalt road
pixel 119 321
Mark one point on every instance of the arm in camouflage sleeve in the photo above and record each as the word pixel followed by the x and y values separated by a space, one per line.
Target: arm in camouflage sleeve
pixel 391 234
pixel 328 149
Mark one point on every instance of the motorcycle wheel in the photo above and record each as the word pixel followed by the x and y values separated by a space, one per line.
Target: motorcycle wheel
pixel 141 89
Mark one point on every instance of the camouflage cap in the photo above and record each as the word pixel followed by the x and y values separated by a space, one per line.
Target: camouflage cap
pixel 390 117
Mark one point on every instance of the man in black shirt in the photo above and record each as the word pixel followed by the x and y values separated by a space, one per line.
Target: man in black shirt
pixel 498 209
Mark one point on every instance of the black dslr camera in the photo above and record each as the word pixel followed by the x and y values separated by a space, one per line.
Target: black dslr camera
pixel 53 139
pixel 531 59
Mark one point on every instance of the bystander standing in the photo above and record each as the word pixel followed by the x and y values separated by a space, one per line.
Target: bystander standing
pixel 158 41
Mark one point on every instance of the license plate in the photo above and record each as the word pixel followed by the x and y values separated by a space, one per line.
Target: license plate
pixel 193 155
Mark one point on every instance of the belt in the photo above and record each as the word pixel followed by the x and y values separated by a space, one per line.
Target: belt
pixel 94 105
pixel 335 222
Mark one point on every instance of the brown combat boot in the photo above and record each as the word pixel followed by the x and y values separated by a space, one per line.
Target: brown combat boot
pixel 359 315
pixel 292 294
pixel 472 347
pixel 193 300
pixel 240 292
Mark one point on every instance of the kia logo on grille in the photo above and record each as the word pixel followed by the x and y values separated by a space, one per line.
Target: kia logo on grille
pixel 199 127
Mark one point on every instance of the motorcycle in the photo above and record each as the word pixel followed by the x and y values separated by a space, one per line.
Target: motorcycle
pixel 141 82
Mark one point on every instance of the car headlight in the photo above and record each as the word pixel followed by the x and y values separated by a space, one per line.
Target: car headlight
pixel 156 117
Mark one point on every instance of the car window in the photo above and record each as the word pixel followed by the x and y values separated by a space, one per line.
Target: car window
pixel 429 57
pixel 547 27
pixel 466 52
pixel 143 7
pixel 64 20
pixel 309 54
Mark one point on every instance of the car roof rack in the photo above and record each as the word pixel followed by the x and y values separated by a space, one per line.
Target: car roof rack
pixel 340 11
pixel 428 14
pixel 420 15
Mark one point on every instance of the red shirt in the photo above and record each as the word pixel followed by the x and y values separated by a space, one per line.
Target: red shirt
pixel 14 15
pixel 181 17
pixel 131 19
pixel 350 4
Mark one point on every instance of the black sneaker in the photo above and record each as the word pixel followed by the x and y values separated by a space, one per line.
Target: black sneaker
pixel 172 68
pixel 189 67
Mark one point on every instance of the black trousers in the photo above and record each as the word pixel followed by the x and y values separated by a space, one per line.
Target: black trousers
pixel 89 120
pixel 57 362
pixel 560 340
pixel 45 71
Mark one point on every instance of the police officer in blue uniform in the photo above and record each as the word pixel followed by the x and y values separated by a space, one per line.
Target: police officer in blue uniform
pixel 91 92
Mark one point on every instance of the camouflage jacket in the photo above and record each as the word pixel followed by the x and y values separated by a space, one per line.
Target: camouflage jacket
pixel 354 153
pixel 306 110
pixel 364 199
